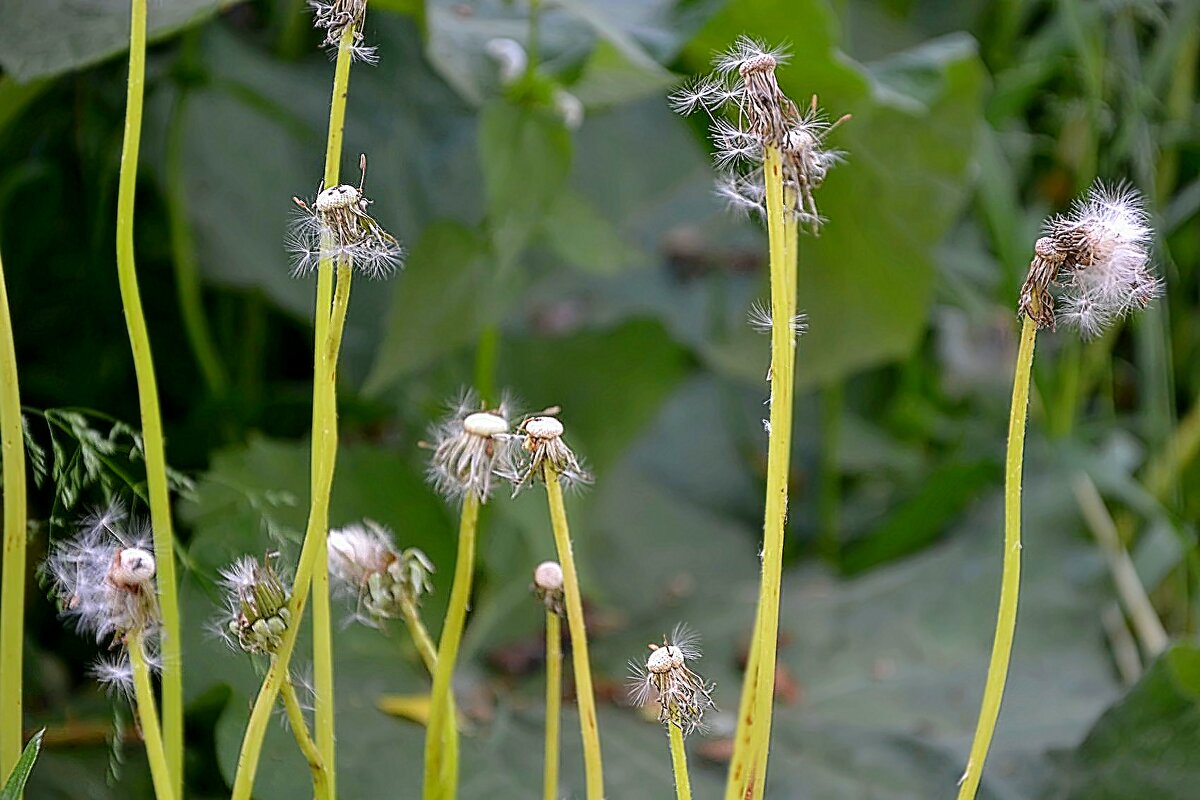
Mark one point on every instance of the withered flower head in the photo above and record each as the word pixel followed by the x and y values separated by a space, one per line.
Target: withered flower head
pixel 382 579
pixel 256 598
pixel 541 445
pixel 682 695
pixel 471 445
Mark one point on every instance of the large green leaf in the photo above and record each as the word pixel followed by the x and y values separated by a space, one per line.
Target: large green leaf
pixel 16 780
pixel 49 37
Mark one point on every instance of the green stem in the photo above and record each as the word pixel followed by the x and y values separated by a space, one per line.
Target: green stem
pixel 183 251
pixel 313 553
pixel 1010 582
pixel 420 635
pixel 553 703
pixel 152 433
pixel 308 747
pixel 752 739
pixel 683 784
pixel 441 738
pixel 585 696
pixel 12 585
pixel 152 735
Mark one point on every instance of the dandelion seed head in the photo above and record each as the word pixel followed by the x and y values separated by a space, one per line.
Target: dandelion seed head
pixel 368 567
pixel 132 567
pixel 541 445
pixel 682 695
pixel 337 198
pixel 471 445
pixel 548 576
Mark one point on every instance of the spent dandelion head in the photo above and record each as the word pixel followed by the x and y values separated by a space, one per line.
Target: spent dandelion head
pixel 542 444
pixel 1099 255
pixel 336 226
pixel 367 566
pixel 104 577
pixel 337 17
pixel 471 446
pixel 750 113
pixel 256 614
pixel 683 696
pixel 548 586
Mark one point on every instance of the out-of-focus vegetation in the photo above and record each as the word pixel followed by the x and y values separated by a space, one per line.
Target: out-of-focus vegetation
pixel 619 289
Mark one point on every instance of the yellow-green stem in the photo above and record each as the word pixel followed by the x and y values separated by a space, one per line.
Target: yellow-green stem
pixel 152 735
pixel 12 585
pixel 747 774
pixel 553 704
pixel 585 696
pixel 420 635
pixel 441 737
pixel 324 456
pixel 683 784
pixel 299 726
pixel 1010 581
pixel 152 433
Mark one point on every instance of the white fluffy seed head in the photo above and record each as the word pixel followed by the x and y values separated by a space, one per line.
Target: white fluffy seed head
pixel 132 567
pixel 543 427
pixel 337 197
pixel 664 659
pixel 485 423
pixel 548 576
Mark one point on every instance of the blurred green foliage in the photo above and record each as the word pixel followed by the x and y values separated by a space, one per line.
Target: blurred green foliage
pixel 612 283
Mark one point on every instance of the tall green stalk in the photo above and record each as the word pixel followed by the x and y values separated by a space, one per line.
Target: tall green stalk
pixel 160 773
pixel 313 554
pixel 683 783
pixel 152 433
pixel 585 696
pixel 553 704
pixel 747 773
pixel 1010 582
pixel 12 584
pixel 441 737
pixel 295 715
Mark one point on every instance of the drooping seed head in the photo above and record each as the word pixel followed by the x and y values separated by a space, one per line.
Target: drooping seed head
pixel 367 567
pixel 337 197
pixel 683 696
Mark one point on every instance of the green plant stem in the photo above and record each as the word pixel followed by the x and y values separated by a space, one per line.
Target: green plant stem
pixel 585 695
pixel 683 783
pixel 183 252
pixel 152 433
pixel 420 635
pixel 324 458
pixel 553 704
pixel 152 735
pixel 1010 582
pixel 752 738
pixel 12 585
pixel 441 737
pixel 308 747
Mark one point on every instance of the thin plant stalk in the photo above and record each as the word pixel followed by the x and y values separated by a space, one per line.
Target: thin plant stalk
pixel 426 649
pixel 585 695
pixel 299 726
pixel 324 444
pixel 152 734
pixel 1010 582
pixel 12 585
pixel 553 703
pixel 441 738
pixel 683 783
pixel 752 738
pixel 152 433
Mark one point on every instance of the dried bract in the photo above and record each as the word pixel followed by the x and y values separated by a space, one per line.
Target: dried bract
pixel 1099 255
pixel 471 445
pixel 256 599
pixel 336 227
pixel 336 18
pixel 367 566
pixel 683 696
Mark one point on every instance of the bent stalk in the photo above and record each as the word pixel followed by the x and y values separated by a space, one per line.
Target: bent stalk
pixel 152 735
pixel 295 715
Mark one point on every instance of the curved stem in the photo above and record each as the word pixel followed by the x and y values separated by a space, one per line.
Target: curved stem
pixel 441 738
pixel 747 776
pixel 152 735
pixel 420 635
pixel 152 433
pixel 553 703
pixel 683 784
pixel 313 553
pixel 308 747
pixel 585 696
pixel 12 585
pixel 1010 582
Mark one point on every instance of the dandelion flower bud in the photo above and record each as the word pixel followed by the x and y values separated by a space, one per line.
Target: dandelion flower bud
pixel 256 602
pixel 336 226
pixel 105 577
pixel 367 566
pixel 470 446
pixel 1099 255
pixel 548 586
pixel 682 696
pixel 542 444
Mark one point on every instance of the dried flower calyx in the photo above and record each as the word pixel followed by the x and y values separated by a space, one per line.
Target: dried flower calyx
pixel 383 580
pixel 337 227
pixel 256 604
pixel 1099 254
pixel 548 586
pixel 471 445
pixel 683 696
pixel 750 113
pixel 338 17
